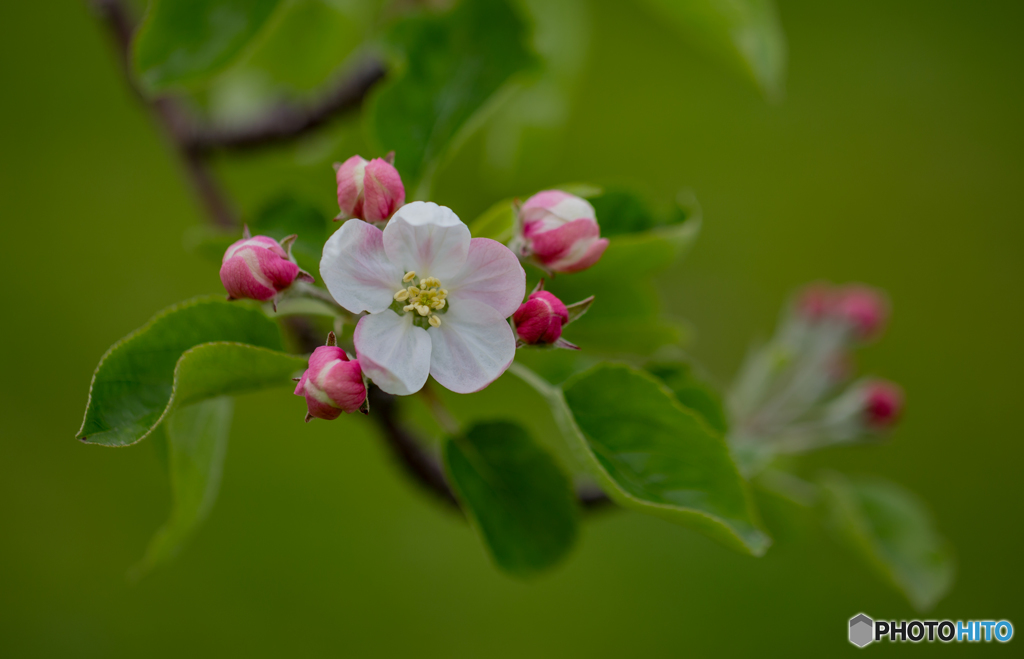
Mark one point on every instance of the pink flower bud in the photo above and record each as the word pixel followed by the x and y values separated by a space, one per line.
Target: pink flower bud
pixel 369 190
pixel 815 302
pixel 883 402
pixel 333 384
pixel 540 318
pixel 560 231
pixel 864 308
pixel 258 268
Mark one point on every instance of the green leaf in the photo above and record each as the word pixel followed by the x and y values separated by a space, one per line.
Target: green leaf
pixel 651 454
pixel 693 392
pixel 197 441
pixel 182 43
pixel 894 532
pixel 451 68
pixel 747 33
pixel 517 498
pixel 192 351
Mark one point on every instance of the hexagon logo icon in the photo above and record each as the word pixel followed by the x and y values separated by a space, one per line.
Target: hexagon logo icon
pixel 862 630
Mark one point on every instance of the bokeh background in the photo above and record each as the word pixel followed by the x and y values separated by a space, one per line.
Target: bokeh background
pixel 895 158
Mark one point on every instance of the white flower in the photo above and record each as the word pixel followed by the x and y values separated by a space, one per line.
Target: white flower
pixel 437 300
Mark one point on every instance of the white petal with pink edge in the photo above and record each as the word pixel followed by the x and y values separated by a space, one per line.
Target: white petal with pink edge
pixel 492 275
pixel 356 268
pixel 472 347
pixel 393 352
pixel 427 239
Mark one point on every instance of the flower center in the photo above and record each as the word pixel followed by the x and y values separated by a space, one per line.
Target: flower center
pixel 425 300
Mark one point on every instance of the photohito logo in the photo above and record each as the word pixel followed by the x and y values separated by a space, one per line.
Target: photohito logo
pixel 864 630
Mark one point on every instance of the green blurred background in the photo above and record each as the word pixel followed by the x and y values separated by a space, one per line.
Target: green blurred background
pixel 896 158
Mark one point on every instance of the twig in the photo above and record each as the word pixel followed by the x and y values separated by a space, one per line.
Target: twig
pixel 289 121
pixel 414 458
pixel 194 142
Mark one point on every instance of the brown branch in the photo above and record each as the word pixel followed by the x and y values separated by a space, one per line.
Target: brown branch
pixel 288 121
pixel 194 143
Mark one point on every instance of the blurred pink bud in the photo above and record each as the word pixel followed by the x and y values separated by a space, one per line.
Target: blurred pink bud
pixel 560 231
pixel 883 402
pixel 864 308
pixel 816 301
pixel 540 318
pixel 333 384
pixel 258 268
pixel 369 190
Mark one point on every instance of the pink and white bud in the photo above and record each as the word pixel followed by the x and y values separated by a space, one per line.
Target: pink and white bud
pixel 864 308
pixel 540 318
pixel 333 384
pixel 369 190
pixel 815 302
pixel 883 403
pixel 258 268
pixel 560 231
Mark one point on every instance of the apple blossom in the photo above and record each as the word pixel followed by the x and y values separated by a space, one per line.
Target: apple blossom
pixel 369 190
pixel 437 299
pixel 258 268
pixel 333 383
pixel 559 231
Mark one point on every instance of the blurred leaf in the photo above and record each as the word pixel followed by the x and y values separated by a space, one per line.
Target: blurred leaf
pixel 517 498
pixel 452 66
pixel 185 42
pixel 621 212
pixel 692 392
pixel 651 454
pixel 626 314
pixel 893 530
pixel 746 32
pixel 283 216
pixel 495 222
pixel 189 352
pixel 197 440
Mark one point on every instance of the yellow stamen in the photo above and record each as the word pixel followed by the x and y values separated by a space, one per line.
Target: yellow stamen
pixel 435 321
pixel 402 295
pixel 409 276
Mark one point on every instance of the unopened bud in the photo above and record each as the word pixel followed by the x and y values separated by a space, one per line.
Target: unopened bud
pixel 883 403
pixel 815 302
pixel 258 268
pixel 540 318
pixel 369 190
pixel 560 231
pixel 864 308
pixel 333 384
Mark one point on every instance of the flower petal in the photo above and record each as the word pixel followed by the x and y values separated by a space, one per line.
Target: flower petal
pixel 428 239
pixel 393 352
pixel 356 270
pixel 492 275
pixel 472 347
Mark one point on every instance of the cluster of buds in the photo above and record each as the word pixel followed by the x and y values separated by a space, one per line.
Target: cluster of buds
pixel 259 268
pixel 540 320
pixel 554 230
pixel 558 232
pixel 796 393
pixel 369 190
pixel 333 383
